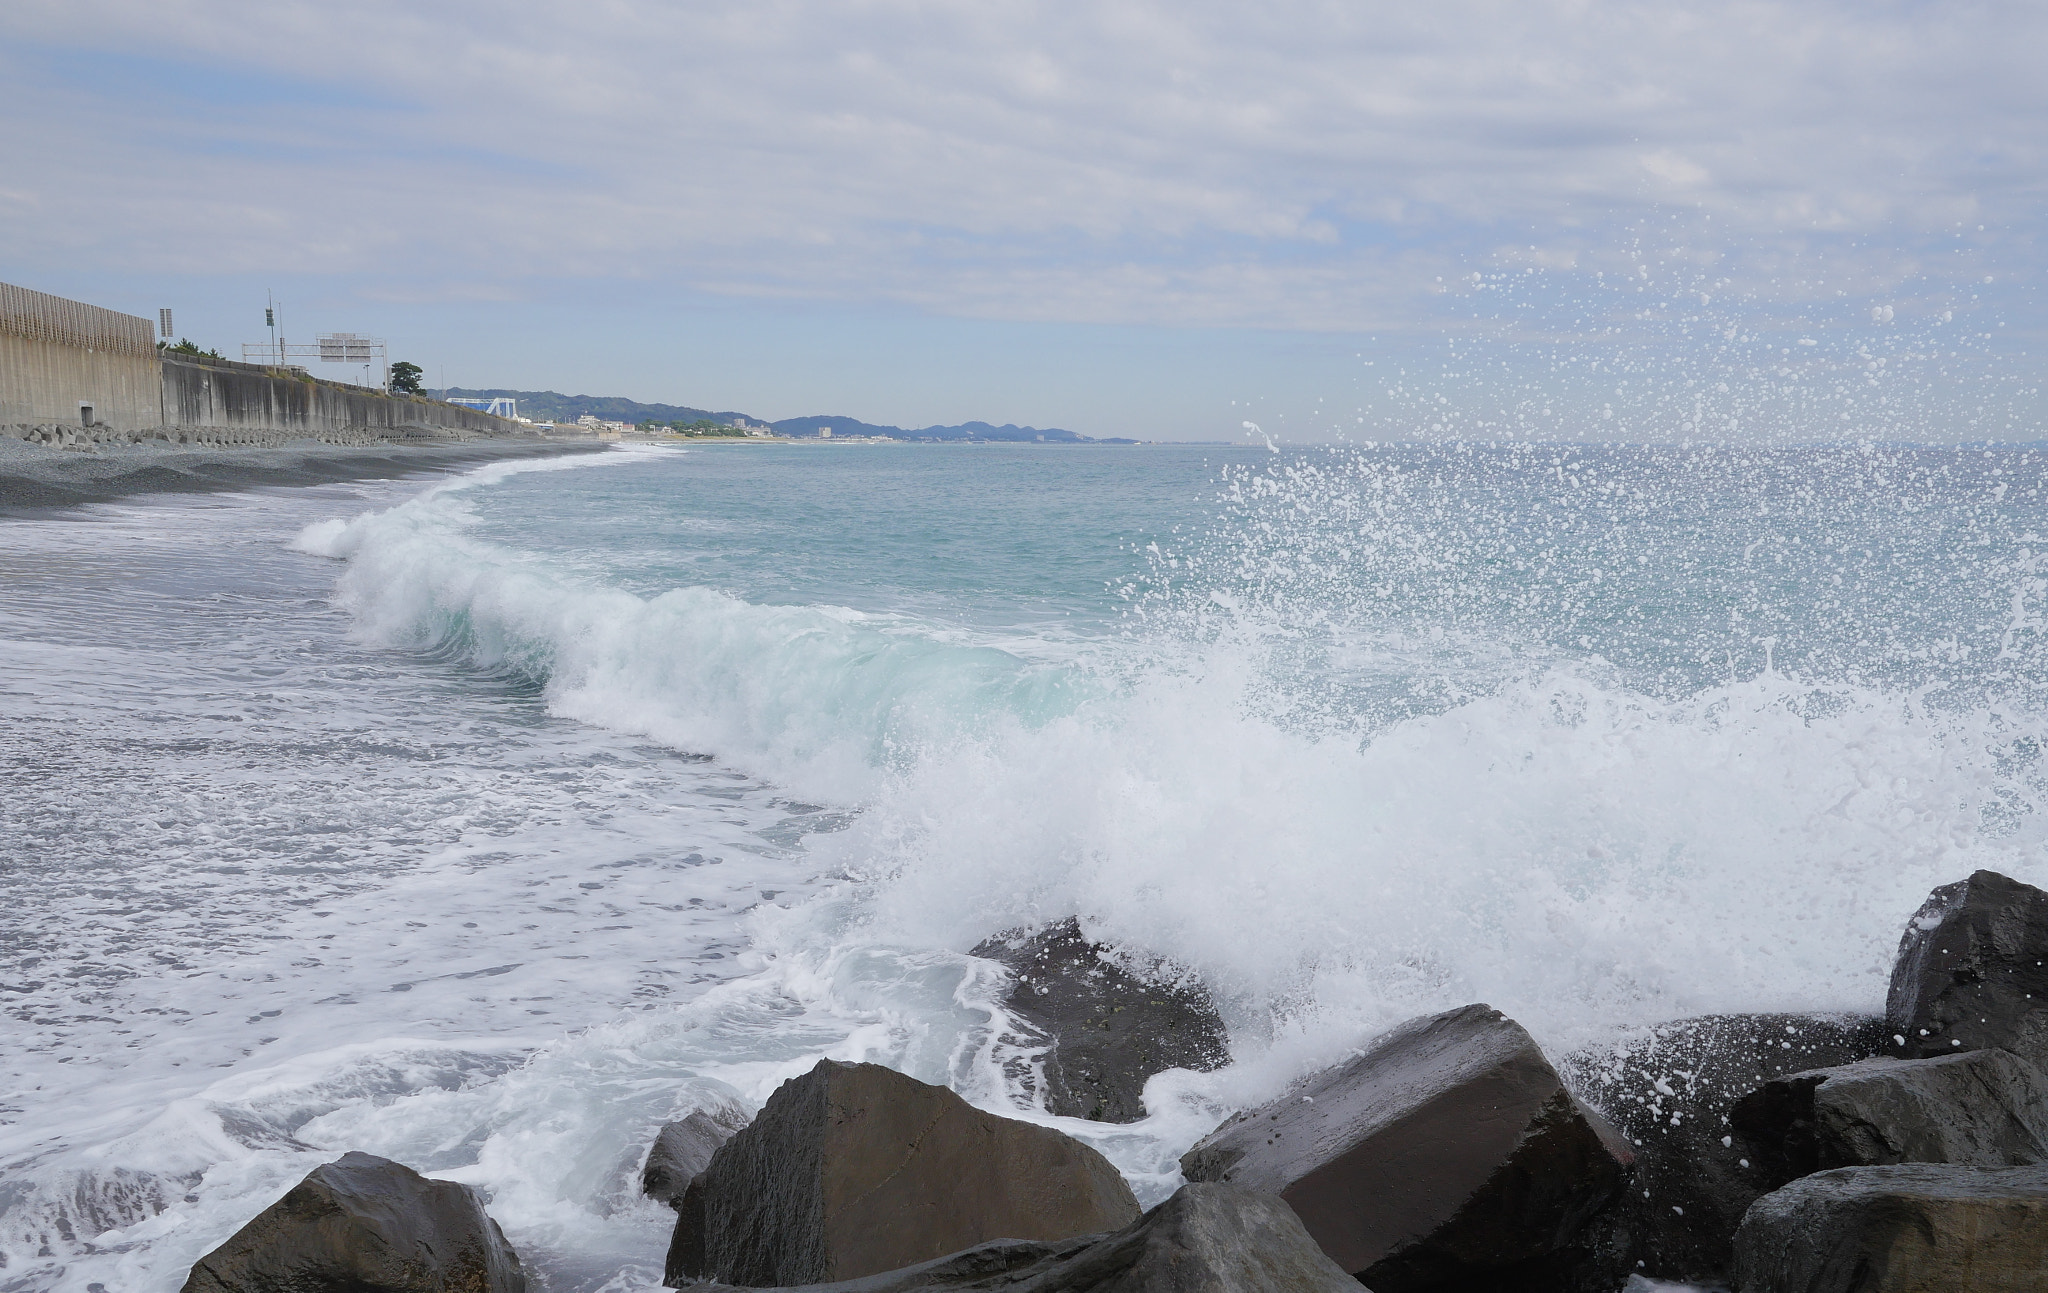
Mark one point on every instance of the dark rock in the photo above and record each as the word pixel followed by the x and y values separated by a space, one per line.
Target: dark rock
pixel 684 1148
pixel 1910 1227
pixel 1972 972
pixel 854 1169
pixel 686 1242
pixel 364 1224
pixel 1671 1093
pixel 1207 1238
pixel 1449 1154
pixel 995 1264
pixel 1109 1025
pixel 1976 1109
pixel 1210 1237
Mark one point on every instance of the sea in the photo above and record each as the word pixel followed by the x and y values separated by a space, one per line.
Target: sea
pixel 488 821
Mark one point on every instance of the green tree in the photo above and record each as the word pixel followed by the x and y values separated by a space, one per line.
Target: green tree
pixel 186 346
pixel 405 378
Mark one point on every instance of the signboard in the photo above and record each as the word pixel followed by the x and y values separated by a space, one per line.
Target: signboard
pixel 328 348
pixel 348 348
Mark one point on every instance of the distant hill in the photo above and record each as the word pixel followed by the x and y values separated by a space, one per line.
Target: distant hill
pixel 1009 432
pixel 551 406
pixel 841 426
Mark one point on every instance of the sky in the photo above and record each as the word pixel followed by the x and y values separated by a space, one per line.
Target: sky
pixel 1161 220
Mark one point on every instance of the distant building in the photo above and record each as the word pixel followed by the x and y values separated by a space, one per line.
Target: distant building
pixel 825 433
pixel 591 424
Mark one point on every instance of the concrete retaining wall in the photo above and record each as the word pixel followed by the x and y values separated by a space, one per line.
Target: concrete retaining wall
pixel 224 397
pixel 57 356
pixel 60 357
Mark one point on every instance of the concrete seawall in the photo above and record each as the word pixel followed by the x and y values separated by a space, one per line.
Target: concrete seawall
pixel 67 362
pixel 214 401
pixel 75 374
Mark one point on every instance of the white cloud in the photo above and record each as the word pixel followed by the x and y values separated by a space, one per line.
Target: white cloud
pixel 1675 169
pixel 1297 164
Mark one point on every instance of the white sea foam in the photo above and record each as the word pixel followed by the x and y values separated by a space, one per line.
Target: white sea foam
pixel 1216 785
pixel 818 697
pixel 1581 854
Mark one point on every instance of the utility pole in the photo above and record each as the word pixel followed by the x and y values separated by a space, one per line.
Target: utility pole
pixel 270 322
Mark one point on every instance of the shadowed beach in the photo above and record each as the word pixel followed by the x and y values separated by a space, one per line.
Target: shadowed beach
pixel 35 478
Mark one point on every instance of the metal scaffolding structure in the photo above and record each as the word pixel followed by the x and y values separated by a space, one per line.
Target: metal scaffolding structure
pixel 327 348
pixel 503 406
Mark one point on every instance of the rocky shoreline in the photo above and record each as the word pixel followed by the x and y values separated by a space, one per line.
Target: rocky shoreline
pixel 1795 1154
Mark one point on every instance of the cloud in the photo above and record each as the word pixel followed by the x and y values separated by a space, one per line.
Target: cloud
pixel 1675 170
pixel 1299 164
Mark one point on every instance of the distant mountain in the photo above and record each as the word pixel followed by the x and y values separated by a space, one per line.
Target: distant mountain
pixel 1009 432
pixel 551 406
pixel 795 427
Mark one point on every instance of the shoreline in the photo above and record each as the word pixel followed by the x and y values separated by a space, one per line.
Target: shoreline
pixel 36 480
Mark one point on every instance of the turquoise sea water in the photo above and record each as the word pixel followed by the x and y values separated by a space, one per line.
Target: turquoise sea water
pixel 486 824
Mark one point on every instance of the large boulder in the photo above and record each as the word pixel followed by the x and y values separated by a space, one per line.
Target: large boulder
pixel 854 1169
pixel 1448 1154
pixel 364 1224
pixel 1109 1023
pixel 1671 1091
pixel 1906 1228
pixel 995 1264
pixel 1207 1238
pixel 1976 1109
pixel 1972 972
pixel 684 1148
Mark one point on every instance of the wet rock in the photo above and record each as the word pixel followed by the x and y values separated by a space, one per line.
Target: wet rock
pixel 1976 1109
pixel 854 1169
pixel 993 1265
pixel 686 1258
pixel 1972 972
pixel 1111 1024
pixel 1449 1154
pixel 364 1224
pixel 1207 1238
pixel 684 1148
pixel 1671 1092
pixel 1916 1227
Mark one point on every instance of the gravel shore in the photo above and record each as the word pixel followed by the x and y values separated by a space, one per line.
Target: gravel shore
pixel 36 478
